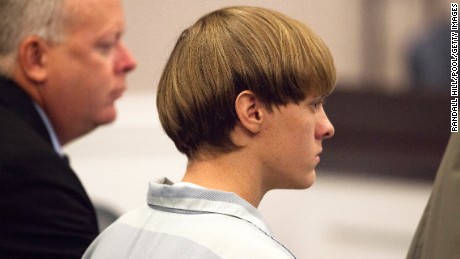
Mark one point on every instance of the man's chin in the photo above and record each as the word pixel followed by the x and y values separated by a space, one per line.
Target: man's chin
pixel 107 117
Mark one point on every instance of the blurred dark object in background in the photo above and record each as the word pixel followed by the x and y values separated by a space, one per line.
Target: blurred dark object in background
pixel 106 215
pixel 401 135
pixel 429 59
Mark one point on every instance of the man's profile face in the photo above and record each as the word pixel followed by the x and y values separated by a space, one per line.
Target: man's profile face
pixel 88 69
pixel 293 143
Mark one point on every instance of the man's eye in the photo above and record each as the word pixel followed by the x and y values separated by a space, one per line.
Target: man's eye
pixel 105 48
pixel 318 104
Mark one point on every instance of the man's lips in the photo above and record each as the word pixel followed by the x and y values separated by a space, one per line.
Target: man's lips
pixel 317 157
pixel 117 93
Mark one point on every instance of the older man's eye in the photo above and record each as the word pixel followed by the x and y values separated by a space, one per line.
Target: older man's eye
pixel 105 48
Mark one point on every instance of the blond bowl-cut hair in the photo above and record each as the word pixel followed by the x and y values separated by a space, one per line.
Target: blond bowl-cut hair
pixel 226 52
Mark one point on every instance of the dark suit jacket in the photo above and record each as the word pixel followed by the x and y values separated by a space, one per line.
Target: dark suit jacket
pixel 44 209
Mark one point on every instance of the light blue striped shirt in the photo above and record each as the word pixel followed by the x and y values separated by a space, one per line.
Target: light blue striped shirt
pixel 183 221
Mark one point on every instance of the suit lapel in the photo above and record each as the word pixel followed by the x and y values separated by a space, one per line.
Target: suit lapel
pixel 14 99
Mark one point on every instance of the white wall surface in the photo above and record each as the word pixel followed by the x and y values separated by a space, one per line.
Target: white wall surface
pixel 341 216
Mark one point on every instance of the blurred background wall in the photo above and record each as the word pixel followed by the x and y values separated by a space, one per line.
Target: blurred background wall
pixel 370 39
pixel 390 111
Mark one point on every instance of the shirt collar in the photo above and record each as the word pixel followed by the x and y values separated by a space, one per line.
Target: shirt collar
pixel 164 193
pixel 49 127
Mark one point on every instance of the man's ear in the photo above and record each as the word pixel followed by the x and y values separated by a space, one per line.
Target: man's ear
pixel 250 111
pixel 32 57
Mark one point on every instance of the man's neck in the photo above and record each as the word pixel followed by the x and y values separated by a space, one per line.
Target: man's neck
pixel 228 172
